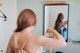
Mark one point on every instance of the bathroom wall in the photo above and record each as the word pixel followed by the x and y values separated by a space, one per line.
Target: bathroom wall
pixel 74 0
pixel 74 20
pixel 9 8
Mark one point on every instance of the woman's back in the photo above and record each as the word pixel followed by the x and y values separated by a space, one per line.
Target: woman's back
pixel 32 44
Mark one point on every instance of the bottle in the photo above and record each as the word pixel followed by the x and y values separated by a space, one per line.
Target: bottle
pixel 65 33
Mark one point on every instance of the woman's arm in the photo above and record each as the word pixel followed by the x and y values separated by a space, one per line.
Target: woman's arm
pixel 12 44
pixel 57 41
pixel 9 49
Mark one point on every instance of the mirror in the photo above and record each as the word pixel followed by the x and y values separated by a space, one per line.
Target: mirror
pixel 56 16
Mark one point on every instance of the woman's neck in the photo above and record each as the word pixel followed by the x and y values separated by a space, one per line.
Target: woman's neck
pixel 28 30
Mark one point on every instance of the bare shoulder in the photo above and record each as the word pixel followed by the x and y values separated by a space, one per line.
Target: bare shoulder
pixel 13 36
pixel 13 40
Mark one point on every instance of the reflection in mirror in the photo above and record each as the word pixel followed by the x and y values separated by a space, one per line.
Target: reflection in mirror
pixel 56 16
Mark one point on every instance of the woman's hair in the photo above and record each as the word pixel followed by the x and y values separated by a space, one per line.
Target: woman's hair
pixel 58 22
pixel 25 19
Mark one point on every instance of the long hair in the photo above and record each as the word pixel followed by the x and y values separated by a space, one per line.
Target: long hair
pixel 25 19
pixel 58 22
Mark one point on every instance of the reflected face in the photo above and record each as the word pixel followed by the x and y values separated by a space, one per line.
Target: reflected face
pixel 62 17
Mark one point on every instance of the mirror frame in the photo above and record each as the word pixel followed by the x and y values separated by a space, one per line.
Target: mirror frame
pixel 45 20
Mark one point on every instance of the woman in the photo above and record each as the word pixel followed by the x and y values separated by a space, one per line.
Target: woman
pixel 60 22
pixel 26 22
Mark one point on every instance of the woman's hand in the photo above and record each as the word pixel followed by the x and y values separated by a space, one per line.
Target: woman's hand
pixel 65 22
pixel 49 30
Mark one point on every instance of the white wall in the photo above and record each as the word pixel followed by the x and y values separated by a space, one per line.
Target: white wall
pixel 7 27
pixel 74 21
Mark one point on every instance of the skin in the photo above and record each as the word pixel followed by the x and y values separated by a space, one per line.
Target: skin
pixel 35 42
